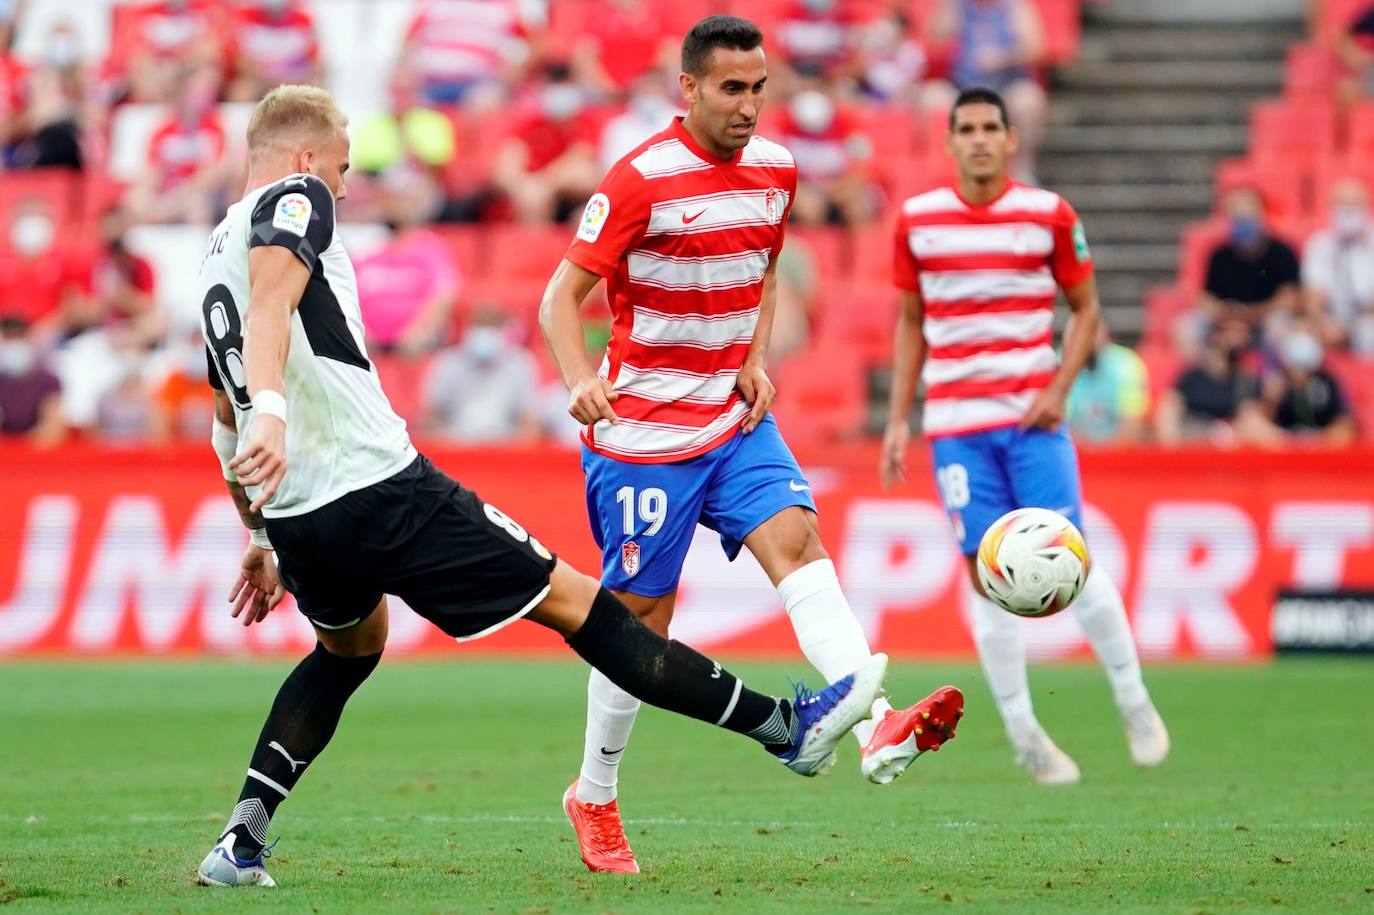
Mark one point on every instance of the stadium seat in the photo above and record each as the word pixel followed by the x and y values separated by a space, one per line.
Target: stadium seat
pixel 1288 133
pixel 1063 27
pixel 1359 132
pixel 1335 16
pixel 828 247
pixel 1361 167
pixel 1310 72
pixel 1355 375
pixel 1164 305
pixel 1162 367
pixel 1195 247
pixel 821 394
pixel 131 128
pixel 1285 191
pixel 861 315
pixel 57 191
pixel 403 380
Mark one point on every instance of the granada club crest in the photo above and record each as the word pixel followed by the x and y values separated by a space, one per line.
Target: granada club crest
pixel 774 203
pixel 629 558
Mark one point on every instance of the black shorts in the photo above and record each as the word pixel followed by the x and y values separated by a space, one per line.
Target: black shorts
pixel 420 535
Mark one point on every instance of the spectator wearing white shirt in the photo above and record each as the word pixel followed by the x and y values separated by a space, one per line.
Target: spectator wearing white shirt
pixel 1338 270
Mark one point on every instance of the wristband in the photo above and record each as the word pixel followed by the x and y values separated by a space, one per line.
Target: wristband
pixel 225 441
pixel 270 402
pixel 258 537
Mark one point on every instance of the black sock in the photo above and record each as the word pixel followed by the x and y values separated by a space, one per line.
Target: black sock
pixel 298 728
pixel 668 674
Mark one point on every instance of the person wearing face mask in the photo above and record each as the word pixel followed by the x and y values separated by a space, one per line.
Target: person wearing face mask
pixel 42 281
pixel 162 39
pixel 1251 276
pixel 833 157
pixel 621 40
pixel 30 395
pixel 484 390
pixel 1300 401
pixel 1203 403
pixel 547 167
pixel 648 107
pixel 184 156
pixel 1338 270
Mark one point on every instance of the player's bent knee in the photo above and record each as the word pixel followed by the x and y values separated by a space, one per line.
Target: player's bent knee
pixel 569 601
pixel 366 638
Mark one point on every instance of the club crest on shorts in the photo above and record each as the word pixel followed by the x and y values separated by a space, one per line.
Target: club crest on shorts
pixel 629 558
pixel 774 203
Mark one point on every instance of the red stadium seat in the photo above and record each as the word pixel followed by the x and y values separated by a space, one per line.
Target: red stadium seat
pixel 58 192
pixel 861 315
pixel 1355 375
pixel 1359 132
pixel 1284 190
pixel 828 248
pixel 1195 247
pixel 821 394
pixel 1335 17
pixel 1311 71
pixel 1290 133
pixel 1162 366
pixel 1353 166
pixel 1164 305
pixel 1063 26
pixel 403 380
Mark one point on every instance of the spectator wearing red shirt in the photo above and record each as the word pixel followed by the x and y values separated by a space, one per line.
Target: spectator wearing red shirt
pixel 622 40
pixel 47 131
pixel 184 157
pixel 818 38
pixel 464 51
pixel 833 157
pixel 274 42
pixel 547 167
pixel 13 75
pixel 159 41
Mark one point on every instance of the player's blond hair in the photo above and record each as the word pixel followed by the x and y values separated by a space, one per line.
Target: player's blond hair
pixel 290 113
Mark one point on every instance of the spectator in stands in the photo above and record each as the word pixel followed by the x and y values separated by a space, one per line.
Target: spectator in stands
pixel 1356 50
pixel 1338 270
pixel 125 413
pixel 1300 401
pixel 184 157
pixel 997 44
pixel 464 52
pixel 547 167
pixel 42 281
pixel 1252 276
pixel 178 399
pixel 485 390
pixel 1111 395
pixel 798 299
pixel 274 42
pixel 47 132
pixel 622 41
pixel 652 104
pixel 408 289
pixel 162 41
pixel 411 137
pixel 819 39
pixel 13 77
pixel 892 62
pixel 1204 402
pixel 834 159
pixel 30 395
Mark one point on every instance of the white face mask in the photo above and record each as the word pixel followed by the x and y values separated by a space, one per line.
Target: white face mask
pixel 1300 352
pixel 483 343
pixel 812 111
pixel 1348 219
pixel 16 358
pixel 31 234
pixel 562 101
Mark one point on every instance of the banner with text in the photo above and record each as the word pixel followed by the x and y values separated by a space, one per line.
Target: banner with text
pixel 132 552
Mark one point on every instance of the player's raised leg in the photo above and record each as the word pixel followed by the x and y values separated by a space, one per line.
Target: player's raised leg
pixel 761 500
pixel 298 728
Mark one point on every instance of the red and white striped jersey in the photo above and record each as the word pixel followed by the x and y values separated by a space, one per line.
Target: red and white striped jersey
pixel 684 241
pixel 987 276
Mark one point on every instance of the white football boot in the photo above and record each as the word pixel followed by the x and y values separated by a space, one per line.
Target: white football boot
pixel 1146 734
pixel 223 868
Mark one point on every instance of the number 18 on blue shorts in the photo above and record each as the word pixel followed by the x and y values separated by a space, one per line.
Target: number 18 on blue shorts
pixel 644 515
pixel 983 475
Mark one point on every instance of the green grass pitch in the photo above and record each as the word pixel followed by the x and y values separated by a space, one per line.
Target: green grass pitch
pixel 441 793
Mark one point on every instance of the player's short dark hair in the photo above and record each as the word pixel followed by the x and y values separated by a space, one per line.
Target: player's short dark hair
pixel 713 32
pixel 979 95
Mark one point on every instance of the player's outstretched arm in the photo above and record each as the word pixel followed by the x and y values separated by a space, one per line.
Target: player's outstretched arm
pixel 754 383
pixel 908 357
pixel 559 318
pixel 1047 410
pixel 277 281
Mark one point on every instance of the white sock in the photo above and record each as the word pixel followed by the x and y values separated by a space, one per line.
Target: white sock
pixel 610 716
pixel 829 635
pixel 1102 615
pixel 1002 649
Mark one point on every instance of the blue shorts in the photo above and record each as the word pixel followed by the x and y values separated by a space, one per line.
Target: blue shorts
pixel 983 475
pixel 644 515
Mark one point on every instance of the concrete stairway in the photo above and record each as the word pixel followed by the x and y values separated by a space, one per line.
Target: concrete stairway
pixel 1161 92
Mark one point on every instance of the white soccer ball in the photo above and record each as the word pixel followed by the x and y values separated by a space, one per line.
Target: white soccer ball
pixel 1032 562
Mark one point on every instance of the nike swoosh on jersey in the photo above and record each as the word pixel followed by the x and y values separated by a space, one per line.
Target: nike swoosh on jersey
pixel 686 219
pixel 798 487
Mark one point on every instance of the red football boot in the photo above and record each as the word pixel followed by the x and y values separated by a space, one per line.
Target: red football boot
pixel 599 834
pixel 904 735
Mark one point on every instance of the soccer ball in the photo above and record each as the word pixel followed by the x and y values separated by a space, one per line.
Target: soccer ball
pixel 1032 562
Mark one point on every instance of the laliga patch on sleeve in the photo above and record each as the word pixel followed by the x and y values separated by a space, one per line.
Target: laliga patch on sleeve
pixel 293 214
pixel 1080 242
pixel 594 217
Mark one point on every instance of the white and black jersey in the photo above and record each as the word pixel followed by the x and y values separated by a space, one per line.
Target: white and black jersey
pixel 342 434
